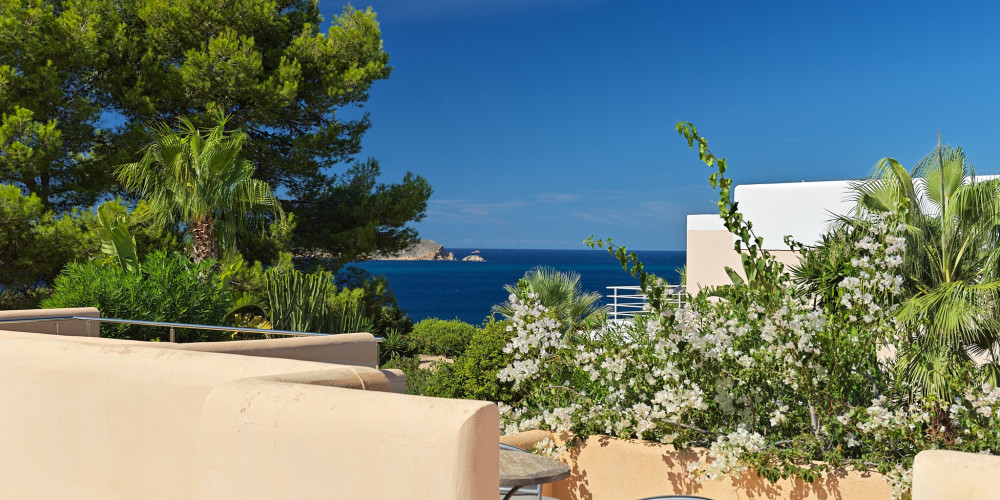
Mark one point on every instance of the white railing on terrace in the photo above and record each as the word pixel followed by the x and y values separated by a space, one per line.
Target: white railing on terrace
pixel 628 301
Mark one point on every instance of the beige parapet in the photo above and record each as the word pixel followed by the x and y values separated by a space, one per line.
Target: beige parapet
pixel 610 468
pixel 72 327
pixel 953 474
pixel 111 420
pixel 259 433
pixel 346 349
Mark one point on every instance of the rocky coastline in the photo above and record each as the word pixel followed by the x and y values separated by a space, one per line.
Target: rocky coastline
pixel 423 250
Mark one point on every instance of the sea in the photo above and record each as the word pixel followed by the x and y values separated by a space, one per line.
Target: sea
pixel 469 290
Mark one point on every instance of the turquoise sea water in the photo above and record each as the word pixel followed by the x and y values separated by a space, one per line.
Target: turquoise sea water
pixel 467 290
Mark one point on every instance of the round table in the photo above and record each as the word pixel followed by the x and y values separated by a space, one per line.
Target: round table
pixel 519 468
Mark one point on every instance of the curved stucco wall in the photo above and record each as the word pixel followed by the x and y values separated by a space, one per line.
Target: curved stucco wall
pixel 952 474
pixel 358 349
pixel 610 468
pixel 95 420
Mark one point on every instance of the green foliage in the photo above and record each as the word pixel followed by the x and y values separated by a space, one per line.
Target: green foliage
pixel 65 65
pixel 25 298
pixel 353 217
pixel 35 244
pixel 49 111
pixel 795 377
pixel 379 300
pixel 483 359
pixel 950 269
pixel 310 302
pixel 116 241
pixel 823 267
pixel 394 345
pixel 442 337
pixel 268 245
pixel 195 178
pixel 561 293
pixel 166 288
pixel 297 301
pixel 441 379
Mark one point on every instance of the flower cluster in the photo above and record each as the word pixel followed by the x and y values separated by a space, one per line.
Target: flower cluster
pixel 874 270
pixel 726 454
pixel 762 376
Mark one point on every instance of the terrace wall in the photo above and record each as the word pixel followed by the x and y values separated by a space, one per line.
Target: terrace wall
pixel 609 468
pixel 101 420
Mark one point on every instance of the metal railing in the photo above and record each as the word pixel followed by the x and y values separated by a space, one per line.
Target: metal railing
pixel 629 301
pixel 164 324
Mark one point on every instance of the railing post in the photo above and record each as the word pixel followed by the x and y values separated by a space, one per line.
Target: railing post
pixel 171 334
pixel 88 326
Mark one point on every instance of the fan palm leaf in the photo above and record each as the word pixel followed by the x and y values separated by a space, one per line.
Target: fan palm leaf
pixel 951 282
pixel 195 178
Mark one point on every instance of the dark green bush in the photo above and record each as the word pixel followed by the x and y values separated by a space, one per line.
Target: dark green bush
pixel 23 298
pixel 445 380
pixel 442 379
pixel 442 337
pixel 166 288
pixel 483 359
pixel 35 244
pixel 379 302
pixel 394 345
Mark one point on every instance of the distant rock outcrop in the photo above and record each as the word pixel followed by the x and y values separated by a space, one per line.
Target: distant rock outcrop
pixel 424 250
pixel 473 258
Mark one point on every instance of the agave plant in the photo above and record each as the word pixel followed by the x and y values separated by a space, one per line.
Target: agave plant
pixel 951 281
pixel 561 293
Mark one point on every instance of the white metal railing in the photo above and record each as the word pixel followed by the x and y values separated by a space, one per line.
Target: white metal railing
pixel 628 301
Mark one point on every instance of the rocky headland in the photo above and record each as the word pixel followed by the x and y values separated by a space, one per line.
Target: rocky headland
pixel 423 250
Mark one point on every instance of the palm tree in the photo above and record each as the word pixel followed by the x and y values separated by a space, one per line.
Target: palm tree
pixel 195 177
pixel 951 281
pixel 562 294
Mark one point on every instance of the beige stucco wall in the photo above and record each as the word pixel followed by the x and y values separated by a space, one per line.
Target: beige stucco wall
pixel 68 327
pixel 348 349
pixel 710 252
pixel 952 474
pixel 610 468
pixel 98 420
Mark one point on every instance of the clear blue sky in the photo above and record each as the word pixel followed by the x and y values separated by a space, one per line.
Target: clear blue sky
pixel 540 122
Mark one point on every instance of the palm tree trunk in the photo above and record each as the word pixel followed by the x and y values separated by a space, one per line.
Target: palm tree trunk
pixel 203 240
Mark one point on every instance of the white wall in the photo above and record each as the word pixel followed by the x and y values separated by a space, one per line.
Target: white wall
pixel 803 210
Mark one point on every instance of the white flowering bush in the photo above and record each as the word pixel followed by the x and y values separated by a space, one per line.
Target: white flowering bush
pixel 762 374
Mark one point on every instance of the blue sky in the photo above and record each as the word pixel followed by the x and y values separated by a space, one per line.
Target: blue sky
pixel 541 122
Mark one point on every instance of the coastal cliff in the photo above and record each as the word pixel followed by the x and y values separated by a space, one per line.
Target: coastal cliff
pixel 424 250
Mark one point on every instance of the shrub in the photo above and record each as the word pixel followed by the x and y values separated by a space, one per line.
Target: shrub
pixel 24 298
pixel 394 345
pixel 484 359
pixel 441 379
pixel 379 302
pixel 35 244
pixel 165 288
pixel 442 337
pixel 765 374
pixel 561 293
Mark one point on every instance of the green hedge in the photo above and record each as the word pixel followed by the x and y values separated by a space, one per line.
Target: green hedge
pixel 483 359
pixel 166 288
pixel 442 337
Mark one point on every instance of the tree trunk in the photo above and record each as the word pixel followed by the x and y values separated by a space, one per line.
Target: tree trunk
pixel 203 240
